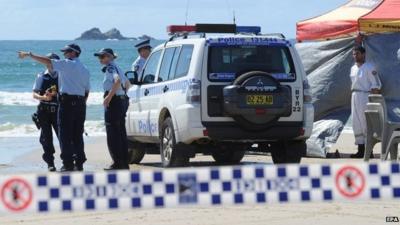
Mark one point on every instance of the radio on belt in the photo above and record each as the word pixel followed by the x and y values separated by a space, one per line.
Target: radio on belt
pixel 213 28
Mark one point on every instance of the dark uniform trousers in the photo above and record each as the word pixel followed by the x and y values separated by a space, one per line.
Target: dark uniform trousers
pixel 47 115
pixel 71 116
pixel 114 117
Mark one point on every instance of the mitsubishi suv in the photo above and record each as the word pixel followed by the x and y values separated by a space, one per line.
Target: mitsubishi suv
pixel 220 90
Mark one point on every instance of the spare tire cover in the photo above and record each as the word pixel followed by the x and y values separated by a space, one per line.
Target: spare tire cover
pixel 255 82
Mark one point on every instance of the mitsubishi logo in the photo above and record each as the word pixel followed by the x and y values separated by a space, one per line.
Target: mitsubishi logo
pixel 260 83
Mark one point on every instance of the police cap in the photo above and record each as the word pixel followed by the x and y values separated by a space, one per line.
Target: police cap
pixel 72 47
pixel 105 51
pixel 143 44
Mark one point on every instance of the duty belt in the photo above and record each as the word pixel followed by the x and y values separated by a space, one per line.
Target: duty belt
pixel 361 91
pixel 47 108
pixel 122 97
pixel 66 97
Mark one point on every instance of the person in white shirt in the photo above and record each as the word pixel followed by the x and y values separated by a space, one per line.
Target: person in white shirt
pixel 365 81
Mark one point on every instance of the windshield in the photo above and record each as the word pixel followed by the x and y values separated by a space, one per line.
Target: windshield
pixel 226 63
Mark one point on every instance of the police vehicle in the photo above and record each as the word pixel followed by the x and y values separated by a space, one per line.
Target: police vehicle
pixel 220 89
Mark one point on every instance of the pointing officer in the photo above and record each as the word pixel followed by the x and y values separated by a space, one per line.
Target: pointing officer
pixel 45 90
pixel 144 50
pixel 115 103
pixel 74 88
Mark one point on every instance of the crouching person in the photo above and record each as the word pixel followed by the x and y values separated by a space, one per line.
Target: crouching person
pixel 115 104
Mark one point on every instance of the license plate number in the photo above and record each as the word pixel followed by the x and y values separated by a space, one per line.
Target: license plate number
pixel 259 100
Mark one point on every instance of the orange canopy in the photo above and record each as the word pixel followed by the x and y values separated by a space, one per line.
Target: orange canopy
pixel 385 18
pixel 348 20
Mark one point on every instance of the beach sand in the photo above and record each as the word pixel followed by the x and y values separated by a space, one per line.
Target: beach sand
pixel 302 214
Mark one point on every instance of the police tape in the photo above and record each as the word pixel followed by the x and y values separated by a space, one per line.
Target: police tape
pixel 212 186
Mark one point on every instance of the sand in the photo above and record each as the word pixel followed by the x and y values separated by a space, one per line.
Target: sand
pixel 302 214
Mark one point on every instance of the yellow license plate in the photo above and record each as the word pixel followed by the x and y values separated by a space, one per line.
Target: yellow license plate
pixel 259 100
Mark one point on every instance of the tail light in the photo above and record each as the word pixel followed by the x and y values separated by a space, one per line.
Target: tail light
pixel 193 93
pixel 307 96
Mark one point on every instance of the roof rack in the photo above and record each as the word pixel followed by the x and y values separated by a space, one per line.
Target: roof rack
pixel 185 31
pixel 280 35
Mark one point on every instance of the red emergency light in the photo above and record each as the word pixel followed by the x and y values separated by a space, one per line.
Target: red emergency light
pixel 180 29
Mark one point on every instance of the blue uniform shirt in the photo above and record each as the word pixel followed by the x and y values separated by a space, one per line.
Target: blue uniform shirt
pixel 111 73
pixel 73 76
pixel 39 80
pixel 137 66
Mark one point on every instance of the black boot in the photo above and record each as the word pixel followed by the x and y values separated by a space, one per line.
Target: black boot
pixel 113 166
pixel 360 152
pixel 78 167
pixel 51 167
pixel 67 168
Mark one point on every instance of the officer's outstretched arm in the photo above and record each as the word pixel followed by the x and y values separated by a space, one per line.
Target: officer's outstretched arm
pixel 40 59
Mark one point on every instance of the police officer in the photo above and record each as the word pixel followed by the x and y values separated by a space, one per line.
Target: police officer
pixel 115 103
pixel 45 90
pixel 74 88
pixel 144 50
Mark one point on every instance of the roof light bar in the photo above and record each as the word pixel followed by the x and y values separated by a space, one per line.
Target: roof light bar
pixel 216 28
pixel 213 28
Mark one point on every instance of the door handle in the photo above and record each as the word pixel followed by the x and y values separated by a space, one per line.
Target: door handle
pixel 165 89
pixel 146 92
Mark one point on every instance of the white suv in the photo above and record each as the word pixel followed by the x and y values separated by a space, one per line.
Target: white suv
pixel 220 94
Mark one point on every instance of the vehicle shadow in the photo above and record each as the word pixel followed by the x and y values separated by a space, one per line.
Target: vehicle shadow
pixel 206 164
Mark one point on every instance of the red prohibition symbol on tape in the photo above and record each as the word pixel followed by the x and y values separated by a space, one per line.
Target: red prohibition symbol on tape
pixel 350 181
pixel 16 194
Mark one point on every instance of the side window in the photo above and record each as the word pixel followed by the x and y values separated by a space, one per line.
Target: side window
pixel 166 64
pixel 149 72
pixel 184 60
pixel 174 63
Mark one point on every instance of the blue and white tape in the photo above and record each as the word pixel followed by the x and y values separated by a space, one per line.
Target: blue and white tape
pixel 215 186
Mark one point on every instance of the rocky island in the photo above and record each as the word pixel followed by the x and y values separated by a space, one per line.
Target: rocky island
pixel 113 34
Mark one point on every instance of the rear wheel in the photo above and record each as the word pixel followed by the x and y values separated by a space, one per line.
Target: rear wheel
pixel 170 155
pixel 136 152
pixel 227 155
pixel 288 151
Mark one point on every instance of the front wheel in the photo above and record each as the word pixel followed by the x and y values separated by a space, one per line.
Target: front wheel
pixel 288 151
pixel 170 155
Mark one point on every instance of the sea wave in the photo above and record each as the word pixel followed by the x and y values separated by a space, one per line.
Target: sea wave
pixel 26 99
pixel 92 128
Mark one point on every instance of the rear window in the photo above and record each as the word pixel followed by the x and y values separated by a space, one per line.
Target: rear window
pixel 226 63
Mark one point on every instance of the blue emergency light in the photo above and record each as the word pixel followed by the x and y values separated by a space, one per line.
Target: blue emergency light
pixel 248 29
pixel 213 28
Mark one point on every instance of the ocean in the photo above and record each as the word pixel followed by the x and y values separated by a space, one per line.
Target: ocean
pixel 18 134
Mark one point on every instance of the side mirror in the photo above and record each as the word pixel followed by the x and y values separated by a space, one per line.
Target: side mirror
pixel 132 77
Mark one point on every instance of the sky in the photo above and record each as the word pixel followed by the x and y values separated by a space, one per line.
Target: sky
pixel 67 19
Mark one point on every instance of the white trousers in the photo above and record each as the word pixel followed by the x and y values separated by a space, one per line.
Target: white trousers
pixel 359 101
